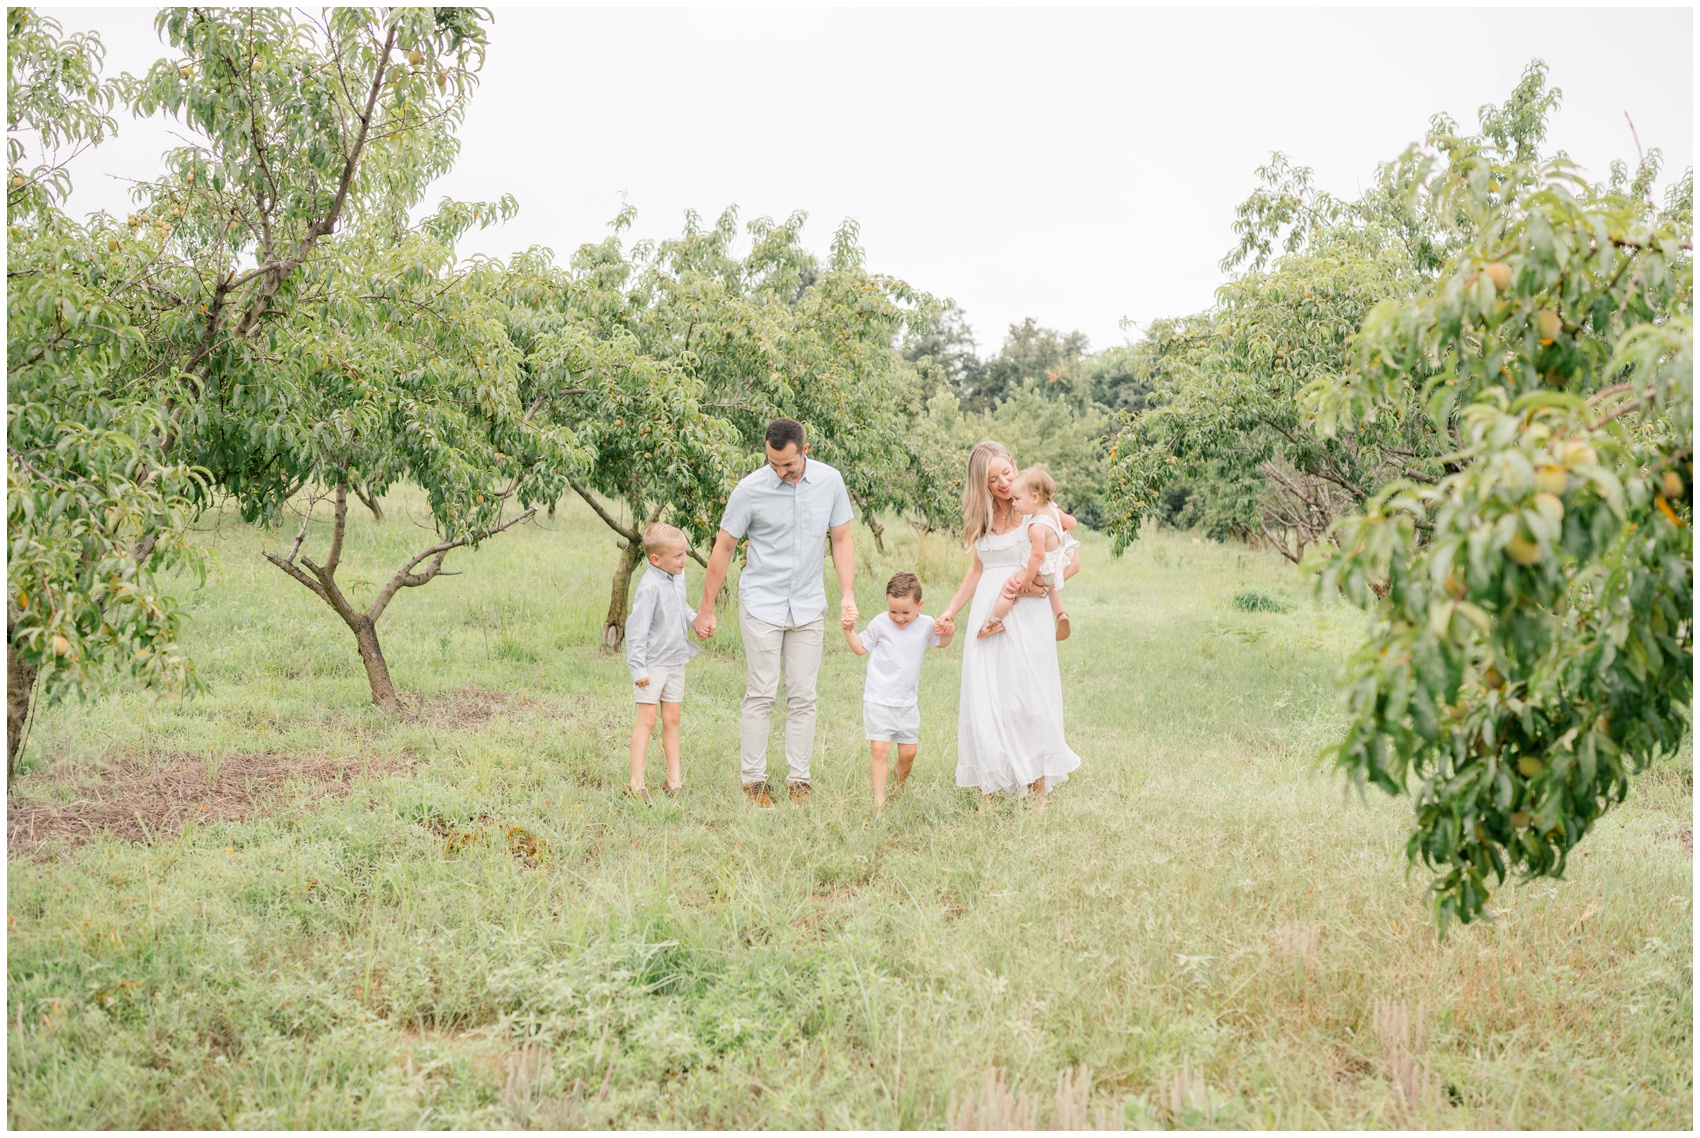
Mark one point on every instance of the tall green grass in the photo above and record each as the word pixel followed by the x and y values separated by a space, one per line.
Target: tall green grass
pixel 1220 932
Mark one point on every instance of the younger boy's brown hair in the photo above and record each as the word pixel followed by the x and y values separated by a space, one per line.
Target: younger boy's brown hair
pixel 904 585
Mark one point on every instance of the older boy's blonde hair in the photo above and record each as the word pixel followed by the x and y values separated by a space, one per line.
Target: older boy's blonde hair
pixel 660 537
pixel 1039 481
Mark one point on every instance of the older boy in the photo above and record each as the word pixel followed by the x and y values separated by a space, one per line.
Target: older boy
pixel 657 650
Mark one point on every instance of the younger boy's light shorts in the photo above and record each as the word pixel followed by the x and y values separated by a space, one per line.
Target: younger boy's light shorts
pixel 666 685
pixel 891 724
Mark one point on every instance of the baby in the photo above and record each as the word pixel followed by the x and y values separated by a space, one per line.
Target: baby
pixel 656 651
pixel 1034 496
pixel 894 642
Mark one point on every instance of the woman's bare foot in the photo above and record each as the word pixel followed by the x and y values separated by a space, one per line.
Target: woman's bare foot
pixel 1063 628
pixel 1037 786
pixel 992 628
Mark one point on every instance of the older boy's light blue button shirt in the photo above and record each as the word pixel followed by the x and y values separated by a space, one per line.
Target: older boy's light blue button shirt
pixel 655 630
pixel 786 525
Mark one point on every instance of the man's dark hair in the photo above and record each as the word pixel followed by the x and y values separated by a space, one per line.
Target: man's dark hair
pixel 782 433
pixel 904 585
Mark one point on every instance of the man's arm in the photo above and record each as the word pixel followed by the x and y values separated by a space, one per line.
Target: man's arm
pixel 712 578
pixel 844 564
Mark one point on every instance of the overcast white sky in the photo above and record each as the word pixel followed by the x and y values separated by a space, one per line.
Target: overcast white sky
pixel 1078 166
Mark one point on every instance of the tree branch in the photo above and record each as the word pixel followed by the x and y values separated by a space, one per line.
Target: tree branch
pixel 408 579
pixel 624 531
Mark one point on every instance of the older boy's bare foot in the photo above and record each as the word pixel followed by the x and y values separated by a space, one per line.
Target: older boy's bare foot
pixel 992 628
pixel 1062 626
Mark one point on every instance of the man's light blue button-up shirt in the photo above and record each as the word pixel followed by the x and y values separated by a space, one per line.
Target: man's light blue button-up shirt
pixel 786 525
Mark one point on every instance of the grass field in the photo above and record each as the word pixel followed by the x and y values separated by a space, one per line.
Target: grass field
pixel 448 918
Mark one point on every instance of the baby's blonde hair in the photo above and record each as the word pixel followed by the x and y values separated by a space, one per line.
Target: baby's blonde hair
pixel 660 537
pixel 1038 480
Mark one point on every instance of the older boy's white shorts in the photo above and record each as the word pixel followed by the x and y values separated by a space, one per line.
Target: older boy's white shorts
pixel 891 724
pixel 666 685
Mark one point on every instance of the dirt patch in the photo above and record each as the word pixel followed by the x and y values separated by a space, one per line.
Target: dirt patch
pixel 132 801
pixel 1685 839
pixel 473 707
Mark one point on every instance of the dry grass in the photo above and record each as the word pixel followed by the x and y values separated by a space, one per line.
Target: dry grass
pixel 136 800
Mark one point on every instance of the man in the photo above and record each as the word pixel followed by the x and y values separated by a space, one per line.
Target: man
pixel 786 509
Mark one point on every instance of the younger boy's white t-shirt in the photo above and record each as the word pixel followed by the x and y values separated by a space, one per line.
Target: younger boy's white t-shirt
pixel 894 659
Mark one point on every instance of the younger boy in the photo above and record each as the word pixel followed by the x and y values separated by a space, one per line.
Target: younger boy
pixel 894 643
pixel 656 651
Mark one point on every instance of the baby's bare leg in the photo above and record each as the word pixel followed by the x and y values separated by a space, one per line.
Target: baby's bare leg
pixel 999 611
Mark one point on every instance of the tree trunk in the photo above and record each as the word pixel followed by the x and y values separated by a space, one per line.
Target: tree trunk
pixel 20 690
pixel 619 599
pixel 878 532
pixel 371 502
pixel 372 655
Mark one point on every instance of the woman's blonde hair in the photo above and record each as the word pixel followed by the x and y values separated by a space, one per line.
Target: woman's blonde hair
pixel 977 504
pixel 1038 480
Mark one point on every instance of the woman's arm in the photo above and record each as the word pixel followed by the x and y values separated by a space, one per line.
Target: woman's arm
pixel 970 581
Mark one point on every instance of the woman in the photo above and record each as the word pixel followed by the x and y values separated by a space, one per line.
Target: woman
pixel 1010 719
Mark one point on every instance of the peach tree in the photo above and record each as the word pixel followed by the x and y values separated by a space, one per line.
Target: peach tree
pixel 1533 630
pixel 309 338
pixel 96 507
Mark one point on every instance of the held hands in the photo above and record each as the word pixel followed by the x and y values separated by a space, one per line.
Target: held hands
pixel 848 623
pixel 847 611
pixel 704 624
pixel 945 625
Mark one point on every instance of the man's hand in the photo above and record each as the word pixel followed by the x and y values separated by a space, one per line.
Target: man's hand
pixel 848 623
pixel 847 611
pixel 643 683
pixel 704 624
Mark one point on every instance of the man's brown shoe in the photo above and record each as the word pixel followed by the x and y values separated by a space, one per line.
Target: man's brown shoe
pixel 799 791
pixel 757 793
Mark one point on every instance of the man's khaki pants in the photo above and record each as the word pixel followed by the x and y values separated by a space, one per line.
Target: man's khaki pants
pixel 769 650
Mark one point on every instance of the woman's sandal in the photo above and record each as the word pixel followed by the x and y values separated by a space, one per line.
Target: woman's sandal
pixel 671 790
pixel 1063 628
pixel 990 628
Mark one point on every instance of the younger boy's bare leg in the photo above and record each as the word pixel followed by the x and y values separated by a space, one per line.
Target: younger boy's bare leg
pixel 905 760
pixel 641 731
pixel 670 742
pixel 880 750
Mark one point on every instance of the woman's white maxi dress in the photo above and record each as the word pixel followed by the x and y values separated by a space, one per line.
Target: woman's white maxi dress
pixel 1010 720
